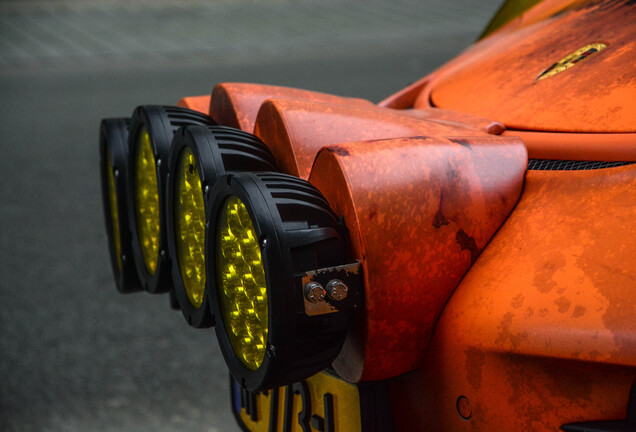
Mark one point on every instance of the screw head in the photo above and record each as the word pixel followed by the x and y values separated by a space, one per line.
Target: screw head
pixel 337 290
pixel 271 349
pixel 314 292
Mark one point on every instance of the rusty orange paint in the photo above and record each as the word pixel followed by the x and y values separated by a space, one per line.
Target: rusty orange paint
pixel 404 101
pixel 496 78
pixel 237 104
pixel 457 119
pixel 419 211
pixel 295 130
pixel 578 146
pixel 196 103
pixel 541 331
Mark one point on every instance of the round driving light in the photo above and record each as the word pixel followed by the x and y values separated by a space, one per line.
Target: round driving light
pixel 269 236
pixel 146 195
pixel 190 227
pixel 242 286
pixel 198 157
pixel 151 131
pixel 113 149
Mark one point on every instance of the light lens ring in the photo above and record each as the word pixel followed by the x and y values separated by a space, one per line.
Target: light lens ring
pixel 242 286
pixel 189 222
pixel 146 196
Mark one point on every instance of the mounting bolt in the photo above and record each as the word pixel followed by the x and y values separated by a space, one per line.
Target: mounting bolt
pixel 314 292
pixel 337 290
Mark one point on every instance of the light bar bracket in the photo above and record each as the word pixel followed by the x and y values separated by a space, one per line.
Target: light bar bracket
pixel 349 274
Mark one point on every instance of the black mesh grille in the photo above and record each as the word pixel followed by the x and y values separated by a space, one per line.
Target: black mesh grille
pixel 571 165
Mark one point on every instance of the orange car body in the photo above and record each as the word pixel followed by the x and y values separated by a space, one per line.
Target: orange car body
pixel 496 297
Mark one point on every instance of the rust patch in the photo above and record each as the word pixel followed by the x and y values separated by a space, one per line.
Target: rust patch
pixel 417 138
pixel 340 151
pixel 505 338
pixel 517 302
pixel 373 213
pixel 504 329
pixel 468 243
pixel 563 304
pixel 529 312
pixel 462 142
pixel 578 312
pixel 545 271
pixel 439 218
pixel 452 174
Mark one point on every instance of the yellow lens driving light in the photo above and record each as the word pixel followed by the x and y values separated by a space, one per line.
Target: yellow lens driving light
pixel 190 227
pixel 152 129
pixel 147 201
pixel 198 157
pixel 242 290
pixel 275 237
pixel 113 148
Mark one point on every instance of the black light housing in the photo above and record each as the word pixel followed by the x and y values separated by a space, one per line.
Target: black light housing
pixel 216 150
pixel 299 238
pixel 113 151
pixel 160 123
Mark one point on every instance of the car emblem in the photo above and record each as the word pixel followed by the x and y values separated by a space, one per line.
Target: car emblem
pixel 571 59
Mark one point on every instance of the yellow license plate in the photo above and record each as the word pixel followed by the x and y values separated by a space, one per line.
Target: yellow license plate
pixel 322 403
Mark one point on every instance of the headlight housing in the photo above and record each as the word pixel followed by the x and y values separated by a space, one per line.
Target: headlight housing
pixel 269 233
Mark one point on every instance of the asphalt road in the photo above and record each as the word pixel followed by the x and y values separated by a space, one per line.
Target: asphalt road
pixel 74 354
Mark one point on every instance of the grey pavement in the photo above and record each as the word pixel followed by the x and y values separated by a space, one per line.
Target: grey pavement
pixel 74 354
